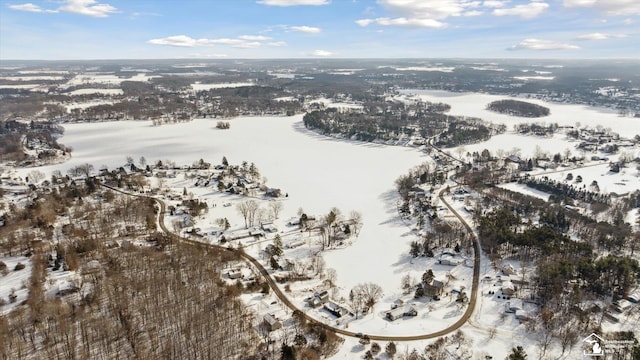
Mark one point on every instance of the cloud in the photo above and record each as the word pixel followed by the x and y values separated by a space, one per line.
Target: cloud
pixel 598 36
pixel 30 8
pixel 81 7
pixel 525 11
pixel 88 8
pixel 494 3
pixel 306 29
pixel 181 41
pixel 241 42
pixel 293 2
pixel 428 14
pixel 537 44
pixel 322 53
pixel 254 37
pixel 608 7
pixel 406 22
pixel 420 9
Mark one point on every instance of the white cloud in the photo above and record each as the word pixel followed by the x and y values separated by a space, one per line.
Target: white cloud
pixel 525 11
pixel 322 53
pixel 29 7
pixel 428 14
pixel 608 7
pixel 306 29
pixel 181 41
pixel 406 22
pixel 254 37
pixel 494 3
pixel 599 36
pixel 88 7
pixel 435 9
pixel 241 42
pixel 293 2
pixel 537 44
pixel 81 7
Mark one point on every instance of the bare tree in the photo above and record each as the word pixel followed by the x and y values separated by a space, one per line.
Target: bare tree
pixel 275 207
pixel 248 209
pixel 371 293
pixel 35 176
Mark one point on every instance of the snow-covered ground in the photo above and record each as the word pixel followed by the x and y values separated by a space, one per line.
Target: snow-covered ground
pixel 96 91
pixel 319 173
pixel 15 282
pixel 474 104
pixel 200 87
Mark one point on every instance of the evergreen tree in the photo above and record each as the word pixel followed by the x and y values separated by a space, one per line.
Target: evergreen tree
pixel 517 353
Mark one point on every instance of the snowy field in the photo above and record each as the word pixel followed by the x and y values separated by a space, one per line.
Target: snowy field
pixel 96 91
pixel 473 104
pixel 201 87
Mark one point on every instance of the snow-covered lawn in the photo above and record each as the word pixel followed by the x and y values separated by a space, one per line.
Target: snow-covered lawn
pixel 15 282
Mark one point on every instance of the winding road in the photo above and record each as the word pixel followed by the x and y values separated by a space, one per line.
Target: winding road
pixel 285 300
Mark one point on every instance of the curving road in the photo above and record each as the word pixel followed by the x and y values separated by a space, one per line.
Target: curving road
pixel 285 300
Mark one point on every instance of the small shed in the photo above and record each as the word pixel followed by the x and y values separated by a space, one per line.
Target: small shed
pixel 271 322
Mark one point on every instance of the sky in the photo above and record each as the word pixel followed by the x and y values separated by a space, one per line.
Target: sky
pixel 163 29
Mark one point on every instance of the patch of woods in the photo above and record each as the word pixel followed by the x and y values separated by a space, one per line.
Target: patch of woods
pixel 38 136
pixel 574 266
pixel 467 130
pixel 518 108
pixel 164 299
pixel 563 267
pixel 380 120
pixel 393 121
pixel 134 303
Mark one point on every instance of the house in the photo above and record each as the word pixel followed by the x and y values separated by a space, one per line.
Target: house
pixel 334 309
pixel 255 231
pixel 508 288
pixel 318 298
pixel 522 315
pixel 271 322
pixel 434 288
pixel 509 269
pixel 448 259
pixel 399 312
pixel 513 306
pixel 634 297
pixel 272 192
pixel 234 274
pixel 295 244
pixel 268 227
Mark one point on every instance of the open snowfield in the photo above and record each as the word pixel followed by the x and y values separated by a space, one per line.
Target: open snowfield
pixel 201 87
pixel 474 104
pixel 96 91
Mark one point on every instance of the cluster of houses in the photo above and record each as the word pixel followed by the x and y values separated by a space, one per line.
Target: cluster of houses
pixel 321 299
